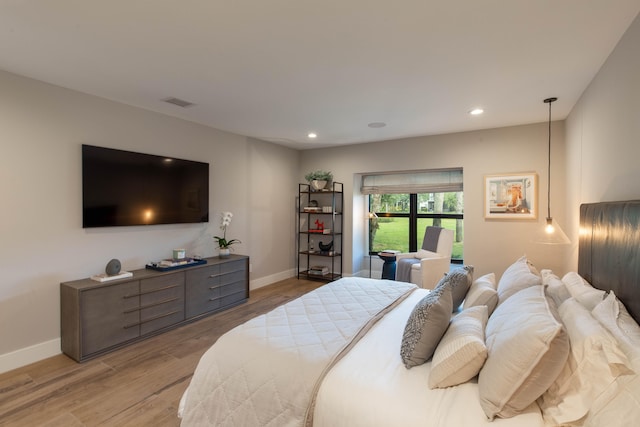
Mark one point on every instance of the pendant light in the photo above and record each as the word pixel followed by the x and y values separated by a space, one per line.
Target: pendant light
pixel 551 234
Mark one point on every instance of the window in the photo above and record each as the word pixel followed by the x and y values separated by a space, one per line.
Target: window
pixel 398 219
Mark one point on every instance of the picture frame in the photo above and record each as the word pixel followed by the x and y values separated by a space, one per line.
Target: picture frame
pixel 511 196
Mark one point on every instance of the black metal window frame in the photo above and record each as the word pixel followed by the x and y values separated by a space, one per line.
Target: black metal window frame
pixel 413 216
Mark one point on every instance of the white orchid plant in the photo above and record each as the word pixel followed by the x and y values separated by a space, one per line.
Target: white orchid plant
pixel 225 221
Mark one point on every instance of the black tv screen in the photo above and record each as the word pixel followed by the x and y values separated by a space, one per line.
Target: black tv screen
pixel 122 188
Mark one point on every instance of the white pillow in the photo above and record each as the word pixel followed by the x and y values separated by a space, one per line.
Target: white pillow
pixel 519 275
pixel 527 348
pixel 593 365
pixel 483 292
pixel 554 287
pixel 582 290
pixel 461 351
pixel 619 404
pixel 613 315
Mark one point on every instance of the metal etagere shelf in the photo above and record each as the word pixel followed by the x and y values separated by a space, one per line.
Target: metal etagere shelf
pixel 319 226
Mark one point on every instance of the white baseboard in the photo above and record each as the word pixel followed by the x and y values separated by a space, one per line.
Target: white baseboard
pixel 28 355
pixel 268 280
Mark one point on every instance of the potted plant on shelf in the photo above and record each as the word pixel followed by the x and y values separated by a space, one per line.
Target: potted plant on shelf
pixel 224 245
pixel 318 179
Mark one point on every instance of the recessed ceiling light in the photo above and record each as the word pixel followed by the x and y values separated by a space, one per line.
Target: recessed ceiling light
pixel 476 111
pixel 377 125
pixel 312 135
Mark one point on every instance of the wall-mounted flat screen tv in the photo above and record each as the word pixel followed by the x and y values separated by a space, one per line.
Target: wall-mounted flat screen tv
pixel 122 188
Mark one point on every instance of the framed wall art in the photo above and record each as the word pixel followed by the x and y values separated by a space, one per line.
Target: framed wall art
pixel 511 196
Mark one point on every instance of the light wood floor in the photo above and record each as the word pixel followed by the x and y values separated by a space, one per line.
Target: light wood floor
pixel 139 385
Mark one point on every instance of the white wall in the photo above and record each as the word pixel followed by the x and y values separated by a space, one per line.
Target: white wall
pixel 489 245
pixel 603 135
pixel 41 130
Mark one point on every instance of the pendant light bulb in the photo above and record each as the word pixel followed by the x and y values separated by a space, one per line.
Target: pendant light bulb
pixel 549 229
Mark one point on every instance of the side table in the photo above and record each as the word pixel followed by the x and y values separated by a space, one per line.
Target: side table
pixel 389 266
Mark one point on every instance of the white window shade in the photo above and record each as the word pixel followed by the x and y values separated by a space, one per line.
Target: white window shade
pixel 425 181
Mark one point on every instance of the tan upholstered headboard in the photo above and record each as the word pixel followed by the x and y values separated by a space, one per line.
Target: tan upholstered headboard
pixel 609 249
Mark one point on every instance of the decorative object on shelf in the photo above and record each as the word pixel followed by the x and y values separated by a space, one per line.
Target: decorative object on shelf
pixel 224 245
pixel 312 209
pixel 318 179
pixel 551 234
pixel 113 267
pixel 319 227
pixel 325 247
pixel 318 270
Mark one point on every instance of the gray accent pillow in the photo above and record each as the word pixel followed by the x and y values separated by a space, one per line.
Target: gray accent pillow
pixel 425 327
pixel 459 280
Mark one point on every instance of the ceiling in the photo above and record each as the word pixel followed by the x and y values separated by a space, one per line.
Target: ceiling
pixel 279 69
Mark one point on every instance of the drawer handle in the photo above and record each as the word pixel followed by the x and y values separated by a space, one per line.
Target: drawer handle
pixel 153 304
pixel 221 285
pixel 212 276
pixel 225 296
pixel 151 291
pixel 151 319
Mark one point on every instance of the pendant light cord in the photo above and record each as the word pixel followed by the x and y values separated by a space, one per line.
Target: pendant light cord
pixel 549 101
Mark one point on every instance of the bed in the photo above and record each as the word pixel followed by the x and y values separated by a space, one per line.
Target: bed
pixel 527 349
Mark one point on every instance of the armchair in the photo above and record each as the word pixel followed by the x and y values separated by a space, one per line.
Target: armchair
pixel 427 266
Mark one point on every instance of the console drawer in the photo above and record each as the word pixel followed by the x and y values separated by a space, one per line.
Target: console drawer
pixel 110 316
pixel 161 302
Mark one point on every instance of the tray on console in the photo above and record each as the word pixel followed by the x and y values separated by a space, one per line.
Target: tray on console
pixel 157 267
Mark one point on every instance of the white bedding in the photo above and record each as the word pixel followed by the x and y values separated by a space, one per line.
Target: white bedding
pixel 371 387
pixel 282 368
pixel 265 372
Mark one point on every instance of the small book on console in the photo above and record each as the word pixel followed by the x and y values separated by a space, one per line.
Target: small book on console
pixel 104 277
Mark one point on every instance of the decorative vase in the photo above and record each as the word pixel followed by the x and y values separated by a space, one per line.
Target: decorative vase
pixel 224 252
pixel 318 184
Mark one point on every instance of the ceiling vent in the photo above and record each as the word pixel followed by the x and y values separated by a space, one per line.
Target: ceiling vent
pixel 179 102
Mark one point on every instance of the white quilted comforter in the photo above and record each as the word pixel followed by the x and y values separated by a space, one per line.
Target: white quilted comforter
pixel 267 371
